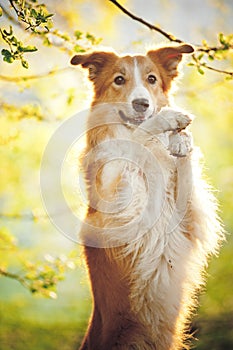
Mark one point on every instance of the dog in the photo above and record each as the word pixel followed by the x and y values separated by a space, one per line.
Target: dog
pixel 152 220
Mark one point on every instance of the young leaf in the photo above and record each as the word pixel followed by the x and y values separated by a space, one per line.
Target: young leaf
pixel 24 64
pixel 201 71
pixel 29 48
pixel 78 48
pixel 8 59
pixel 78 34
pixel 49 16
pixel 222 38
pixel 6 53
pixel 8 33
pixel 14 41
pixel 33 13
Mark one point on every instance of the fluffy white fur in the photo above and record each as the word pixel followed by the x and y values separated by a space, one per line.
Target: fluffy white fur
pixel 154 221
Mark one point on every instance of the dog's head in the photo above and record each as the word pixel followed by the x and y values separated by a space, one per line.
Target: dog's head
pixel 138 84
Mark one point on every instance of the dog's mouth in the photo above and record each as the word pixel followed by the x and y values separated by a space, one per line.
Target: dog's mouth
pixel 135 120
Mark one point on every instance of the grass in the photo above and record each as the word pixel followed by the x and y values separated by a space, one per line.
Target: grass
pixel 215 333
pixel 15 335
pixel 31 323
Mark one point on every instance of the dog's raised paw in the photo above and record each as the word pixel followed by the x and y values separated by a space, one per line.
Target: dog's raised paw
pixel 180 144
pixel 173 119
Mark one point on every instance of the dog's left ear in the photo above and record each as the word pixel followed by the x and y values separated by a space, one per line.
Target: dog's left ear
pixel 168 59
pixel 94 61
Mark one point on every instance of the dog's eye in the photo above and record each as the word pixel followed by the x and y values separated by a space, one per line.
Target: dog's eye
pixel 151 79
pixel 119 80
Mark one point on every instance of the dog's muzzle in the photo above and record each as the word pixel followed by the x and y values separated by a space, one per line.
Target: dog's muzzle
pixel 133 120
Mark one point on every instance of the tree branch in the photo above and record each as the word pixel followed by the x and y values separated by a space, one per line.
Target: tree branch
pixel 205 49
pixel 217 70
pixel 33 77
pixel 147 24
pixel 13 276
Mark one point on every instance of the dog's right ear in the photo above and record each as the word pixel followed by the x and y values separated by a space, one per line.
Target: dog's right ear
pixel 94 61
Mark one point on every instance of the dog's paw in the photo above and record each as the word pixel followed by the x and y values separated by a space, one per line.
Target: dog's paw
pixel 173 119
pixel 180 144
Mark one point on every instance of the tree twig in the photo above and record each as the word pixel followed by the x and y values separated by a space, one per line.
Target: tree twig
pixel 217 70
pixel 147 24
pixel 33 77
pixel 13 276
pixel 172 38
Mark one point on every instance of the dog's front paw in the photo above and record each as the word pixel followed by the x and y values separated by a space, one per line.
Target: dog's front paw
pixel 180 144
pixel 173 119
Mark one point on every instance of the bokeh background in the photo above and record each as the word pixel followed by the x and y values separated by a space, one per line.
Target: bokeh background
pixel 41 316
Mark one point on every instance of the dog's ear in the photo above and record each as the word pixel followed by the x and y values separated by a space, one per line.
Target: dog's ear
pixel 94 61
pixel 167 59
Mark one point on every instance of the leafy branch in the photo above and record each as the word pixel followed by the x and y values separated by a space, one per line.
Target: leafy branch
pixel 210 52
pixel 42 277
pixel 36 17
pixel 39 277
pixel 16 48
pixel 14 276
pixel 38 21
pixel 218 52
pixel 33 14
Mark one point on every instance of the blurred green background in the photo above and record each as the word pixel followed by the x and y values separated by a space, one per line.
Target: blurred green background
pixel 53 315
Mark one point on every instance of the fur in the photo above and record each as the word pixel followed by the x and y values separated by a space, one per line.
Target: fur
pixel 152 221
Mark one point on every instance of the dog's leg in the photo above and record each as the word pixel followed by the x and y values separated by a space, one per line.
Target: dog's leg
pixel 168 119
pixel 196 222
pixel 92 338
pixel 84 345
pixel 180 144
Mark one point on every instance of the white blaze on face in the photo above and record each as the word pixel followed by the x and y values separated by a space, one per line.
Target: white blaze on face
pixel 140 91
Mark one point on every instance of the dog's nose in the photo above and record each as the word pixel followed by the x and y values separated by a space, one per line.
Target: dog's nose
pixel 140 104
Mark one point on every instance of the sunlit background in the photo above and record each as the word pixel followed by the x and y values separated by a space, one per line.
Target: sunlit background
pixel 32 109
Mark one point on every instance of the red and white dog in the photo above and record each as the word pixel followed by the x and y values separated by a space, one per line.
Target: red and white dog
pixel 152 222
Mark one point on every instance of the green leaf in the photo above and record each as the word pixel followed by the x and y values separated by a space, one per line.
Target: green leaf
pixel 29 48
pixel 7 56
pixel 8 33
pixel 78 48
pixel 49 16
pixel 65 37
pixel 24 63
pixel 201 71
pixel 6 53
pixel 8 59
pixel 46 42
pixel 14 41
pixel 222 38
pixel 33 13
pixel 78 34
pixel 91 38
pixel 204 43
